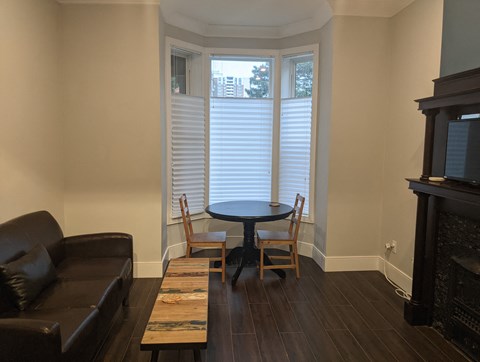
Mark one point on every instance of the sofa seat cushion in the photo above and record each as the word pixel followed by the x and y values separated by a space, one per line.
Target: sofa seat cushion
pixel 79 294
pixel 77 327
pixel 24 278
pixel 85 268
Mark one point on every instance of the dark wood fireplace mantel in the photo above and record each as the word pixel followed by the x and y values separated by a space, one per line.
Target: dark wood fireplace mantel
pixel 454 96
pixel 452 190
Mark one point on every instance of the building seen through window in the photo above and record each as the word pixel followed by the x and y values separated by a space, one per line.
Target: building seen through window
pixel 240 78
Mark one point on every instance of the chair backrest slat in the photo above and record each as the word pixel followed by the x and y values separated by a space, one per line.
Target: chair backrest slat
pixel 187 221
pixel 296 216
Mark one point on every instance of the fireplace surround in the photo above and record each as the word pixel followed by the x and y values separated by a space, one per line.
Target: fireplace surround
pixel 446 280
pixel 462 322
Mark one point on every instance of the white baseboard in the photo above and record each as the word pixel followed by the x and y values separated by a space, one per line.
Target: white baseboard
pixel 351 263
pixel 305 249
pixel 148 269
pixel 178 250
pixel 327 263
pixel 345 263
pixel 362 263
pixel 396 275
pixel 175 251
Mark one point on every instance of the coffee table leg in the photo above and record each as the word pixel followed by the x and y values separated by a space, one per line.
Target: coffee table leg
pixel 197 357
pixel 154 357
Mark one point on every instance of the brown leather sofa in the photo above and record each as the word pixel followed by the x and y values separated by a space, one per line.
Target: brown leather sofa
pixel 59 296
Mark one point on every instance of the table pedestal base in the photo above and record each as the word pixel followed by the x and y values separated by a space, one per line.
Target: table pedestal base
pixel 249 213
pixel 248 254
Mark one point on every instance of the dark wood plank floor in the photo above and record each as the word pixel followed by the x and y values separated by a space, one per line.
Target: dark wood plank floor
pixel 344 316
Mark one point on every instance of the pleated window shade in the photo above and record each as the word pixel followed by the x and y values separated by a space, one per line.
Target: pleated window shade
pixel 188 152
pixel 240 149
pixel 294 158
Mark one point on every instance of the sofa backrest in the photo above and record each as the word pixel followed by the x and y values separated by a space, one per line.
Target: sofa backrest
pixel 20 235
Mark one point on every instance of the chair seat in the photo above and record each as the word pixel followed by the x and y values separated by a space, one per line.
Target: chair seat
pixel 275 235
pixel 267 238
pixel 214 239
pixel 210 237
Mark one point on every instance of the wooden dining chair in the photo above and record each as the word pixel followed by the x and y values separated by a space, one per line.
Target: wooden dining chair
pixel 266 238
pixel 216 239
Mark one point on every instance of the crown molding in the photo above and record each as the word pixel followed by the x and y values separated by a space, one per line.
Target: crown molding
pixel 327 9
pixel 323 15
pixel 372 8
pixel 111 2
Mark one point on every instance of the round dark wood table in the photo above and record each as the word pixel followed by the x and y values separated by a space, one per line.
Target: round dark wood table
pixel 249 213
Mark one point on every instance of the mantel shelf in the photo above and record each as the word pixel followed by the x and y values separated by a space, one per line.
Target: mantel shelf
pixel 447 189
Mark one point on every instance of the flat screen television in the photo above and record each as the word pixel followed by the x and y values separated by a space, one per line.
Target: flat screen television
pixel 462 159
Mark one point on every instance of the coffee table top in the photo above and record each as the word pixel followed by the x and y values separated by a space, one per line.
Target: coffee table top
pixel 242 211
pixel 179 316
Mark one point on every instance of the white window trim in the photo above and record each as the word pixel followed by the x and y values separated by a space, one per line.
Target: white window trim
pixel 314 48
pixel 169 43
pixel 277 55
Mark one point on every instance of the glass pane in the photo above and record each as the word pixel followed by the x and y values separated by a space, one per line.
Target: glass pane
pixel 179 74
pixel 303 79
pixel 234 78
pixel 186 72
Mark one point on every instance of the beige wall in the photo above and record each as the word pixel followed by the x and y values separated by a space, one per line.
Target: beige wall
pixel 325 70
pixel 163 134
pixel 112 125
pixel 31 131
pixel 416 44
pixel 359 105
pixel 100 131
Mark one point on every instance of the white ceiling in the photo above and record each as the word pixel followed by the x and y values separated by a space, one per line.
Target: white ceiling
pixel 259 18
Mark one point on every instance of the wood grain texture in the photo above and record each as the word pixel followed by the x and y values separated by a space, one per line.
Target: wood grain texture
pixel 245 347
pixel 243 324
pixel 180 313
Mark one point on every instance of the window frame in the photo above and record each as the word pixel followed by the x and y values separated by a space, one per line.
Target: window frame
pixel 291 52
pixel 171 43
pixel 247 54
pixel 275 77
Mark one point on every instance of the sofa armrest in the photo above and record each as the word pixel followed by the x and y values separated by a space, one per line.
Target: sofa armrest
pixel 99 245
pixel 30 340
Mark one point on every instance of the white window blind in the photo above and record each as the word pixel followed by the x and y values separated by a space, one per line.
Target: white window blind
pixel 188 152
pixel 294 162
pixel 240 149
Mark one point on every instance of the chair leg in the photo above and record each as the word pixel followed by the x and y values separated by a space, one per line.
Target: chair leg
pixel 223 262
pixel 261 260
pixel 297 268
pixel 292 254
pixel 188 250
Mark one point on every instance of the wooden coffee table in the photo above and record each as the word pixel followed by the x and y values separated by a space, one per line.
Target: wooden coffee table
pixel 180 314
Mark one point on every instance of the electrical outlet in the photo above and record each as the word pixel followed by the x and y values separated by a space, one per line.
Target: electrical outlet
pixel 393 245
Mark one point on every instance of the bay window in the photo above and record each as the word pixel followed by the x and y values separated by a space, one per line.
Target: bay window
pixel 252 137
